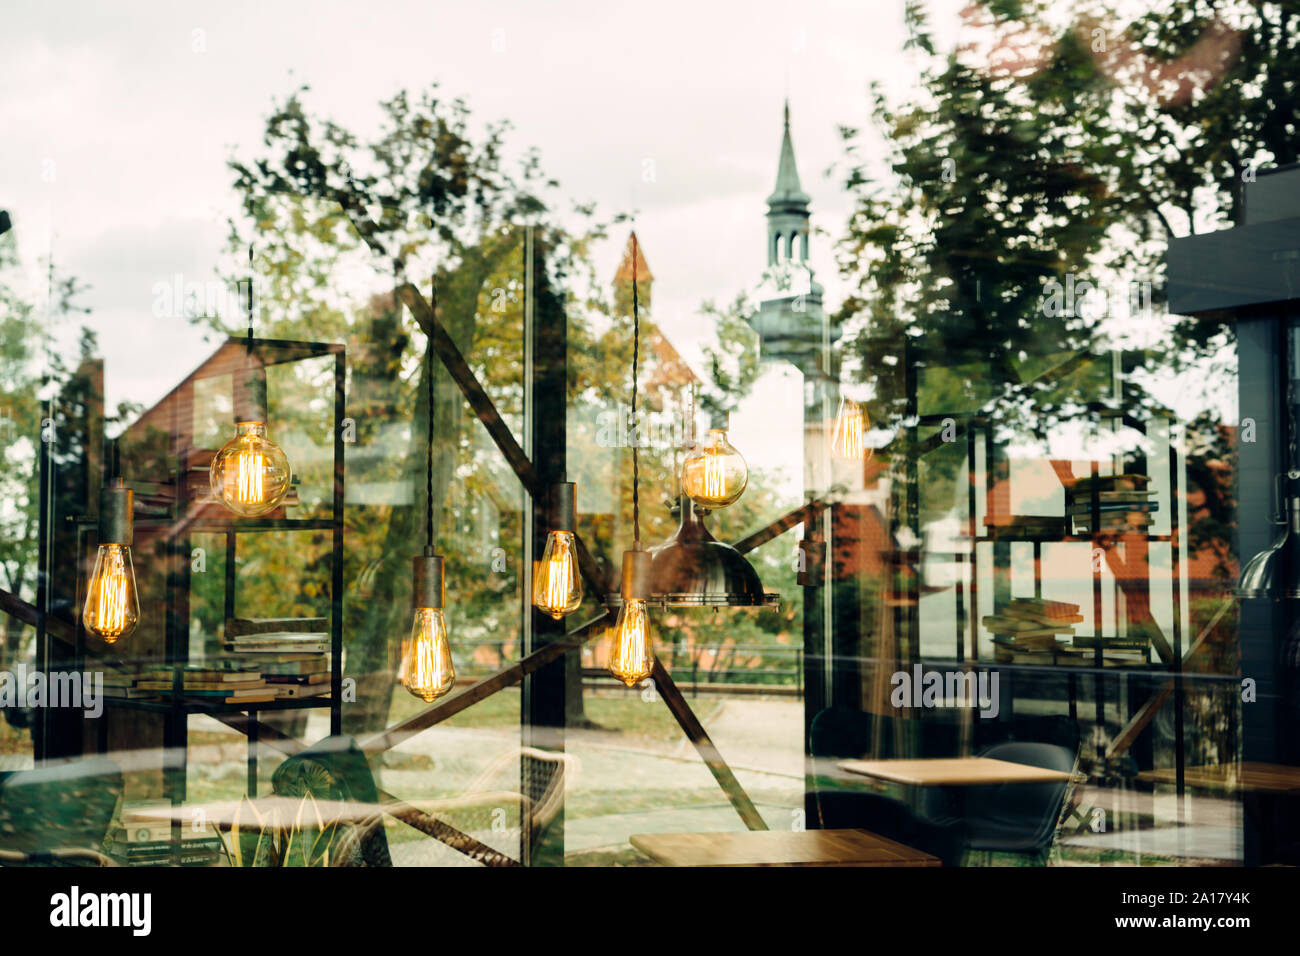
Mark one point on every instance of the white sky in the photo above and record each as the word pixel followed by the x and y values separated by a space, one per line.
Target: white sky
pixel 137 128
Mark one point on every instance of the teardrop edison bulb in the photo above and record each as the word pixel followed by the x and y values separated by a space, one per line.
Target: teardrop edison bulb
pixel 557 584
pixel 714 474
pixel 427 670
pixel 112 608
pixel 851 426
pixel 630 650
pixel 251 473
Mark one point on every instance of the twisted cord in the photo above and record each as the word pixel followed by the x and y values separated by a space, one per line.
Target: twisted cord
pixel 636 360
pixel 428 374
pixel 250 299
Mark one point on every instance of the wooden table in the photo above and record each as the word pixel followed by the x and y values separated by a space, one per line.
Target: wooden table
pixel 1254 777
pixel 779 848
pixel 953 771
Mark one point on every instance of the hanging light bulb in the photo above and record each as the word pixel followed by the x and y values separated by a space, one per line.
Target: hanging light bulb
pixel 851 426
pixel 427 671
pixel 630 649
pixel 250 474
pixel 557 584
pixel 112 608
pixel 714 474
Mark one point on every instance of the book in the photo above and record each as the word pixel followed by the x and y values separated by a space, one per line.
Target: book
pixel 277 637
pixel 1113 507
pixel 315 648
pixel 317 677
pixel 1038 611
pixel 298 691
pixel 317 665
pixel 243 626
pixel 1127 482
pixel 1049 526
pixel 1113 643
pixel 219 694
pixel 262 660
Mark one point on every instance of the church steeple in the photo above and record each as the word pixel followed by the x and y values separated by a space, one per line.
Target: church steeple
pixel 787 207
pixel 788 192
pixel 789 321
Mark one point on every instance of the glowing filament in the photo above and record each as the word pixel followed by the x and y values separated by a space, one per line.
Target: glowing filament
pixel 631 658
pixel 427 670
pixel 251 466
pixel 850 426
pixel 557 588
pixel 715 475
pixel 112 608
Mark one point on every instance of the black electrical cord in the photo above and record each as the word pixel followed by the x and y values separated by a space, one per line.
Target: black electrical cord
pixel 636 358
pixel 250 299
pixel 428 373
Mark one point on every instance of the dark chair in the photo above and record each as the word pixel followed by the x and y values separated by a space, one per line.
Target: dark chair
pixel 890 818
pixel 1019 817
pixel 842 800
pixel 60 813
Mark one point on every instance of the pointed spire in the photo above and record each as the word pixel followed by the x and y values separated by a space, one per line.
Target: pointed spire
pixel 624 273
pixel 788 190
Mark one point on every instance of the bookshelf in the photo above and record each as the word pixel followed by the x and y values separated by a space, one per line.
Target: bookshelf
pixel 1121 553
pixel 169 514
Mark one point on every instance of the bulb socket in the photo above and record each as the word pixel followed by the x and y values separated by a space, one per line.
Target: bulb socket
pixel 428 587
pixel 250 392
pixel 637 571
pixel 116 520
pixel 564 506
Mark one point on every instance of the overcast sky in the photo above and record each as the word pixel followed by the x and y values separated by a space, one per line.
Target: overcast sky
pixel 118 127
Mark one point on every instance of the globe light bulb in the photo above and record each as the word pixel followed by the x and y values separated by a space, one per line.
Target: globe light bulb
pixel 714 474
pixel 630 650
pixel 112 608
pixel 851 425
pixel 250 474
pixel 427 670
pixel 557 583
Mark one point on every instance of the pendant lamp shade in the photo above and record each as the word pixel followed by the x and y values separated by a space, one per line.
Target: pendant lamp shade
pixel 695 569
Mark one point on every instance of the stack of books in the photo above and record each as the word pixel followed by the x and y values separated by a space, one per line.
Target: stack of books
pixel 219 682
pixel 277 635
pixel 290 654
pixel 138 840
pixel 1115 651
pixel 121 683
pixel 1123 503
pixel 1031 630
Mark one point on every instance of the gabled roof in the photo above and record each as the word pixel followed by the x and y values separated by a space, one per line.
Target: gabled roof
pixel 624 273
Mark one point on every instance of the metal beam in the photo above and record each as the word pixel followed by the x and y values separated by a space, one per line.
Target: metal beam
pixel 690 724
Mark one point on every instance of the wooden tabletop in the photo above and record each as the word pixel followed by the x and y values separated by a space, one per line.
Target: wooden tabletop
pixel 1261 777
pixel 953 771
pixel 779 848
